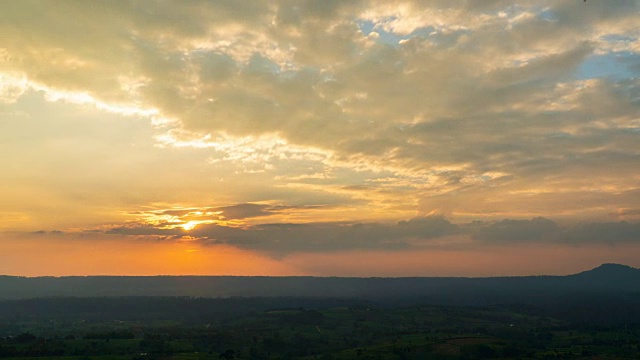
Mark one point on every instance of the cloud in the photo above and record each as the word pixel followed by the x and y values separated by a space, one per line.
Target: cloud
pixel 390 105
pixel 145 230
pixel 430 232
pixel 285 238
pixel 243 211
pixel 10 91
pixel 609 233
pixel 547 231
pixel 237 211
pixel 506 231
pixel 44 232
pixel 630 213
pixel 188 218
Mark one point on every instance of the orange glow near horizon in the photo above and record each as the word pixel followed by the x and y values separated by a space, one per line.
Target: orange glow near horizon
pixel 514 260
pixel 84 257
pixel 117 257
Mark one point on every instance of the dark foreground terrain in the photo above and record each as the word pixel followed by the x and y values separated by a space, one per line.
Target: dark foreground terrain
pixel 68 328
pixel 533 318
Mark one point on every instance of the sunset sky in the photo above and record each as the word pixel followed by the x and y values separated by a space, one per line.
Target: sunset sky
pixel 328 138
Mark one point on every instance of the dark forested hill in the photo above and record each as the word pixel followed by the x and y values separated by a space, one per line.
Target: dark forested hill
pixel 609 293
pixel 607 278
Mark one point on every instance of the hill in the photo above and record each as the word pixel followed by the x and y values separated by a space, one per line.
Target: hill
pixel 606 278
pixel 607 294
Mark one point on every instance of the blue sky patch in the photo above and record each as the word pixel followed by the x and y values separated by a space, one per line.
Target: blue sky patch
pixel 613 65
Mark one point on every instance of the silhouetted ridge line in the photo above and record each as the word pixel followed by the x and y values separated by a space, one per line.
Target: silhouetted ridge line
pixel 608 278
pixel 611 269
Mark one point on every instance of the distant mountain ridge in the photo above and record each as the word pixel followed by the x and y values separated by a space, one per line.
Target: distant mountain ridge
pixel 610 269
pixel 605 279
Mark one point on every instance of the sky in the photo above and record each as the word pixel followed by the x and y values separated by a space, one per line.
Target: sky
pixel 325 138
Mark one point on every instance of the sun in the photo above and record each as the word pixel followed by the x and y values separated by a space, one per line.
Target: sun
pixel 189 225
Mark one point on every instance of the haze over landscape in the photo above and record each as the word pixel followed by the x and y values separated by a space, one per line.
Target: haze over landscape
pixel 321 138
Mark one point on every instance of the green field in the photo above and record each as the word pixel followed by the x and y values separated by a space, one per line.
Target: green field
pixel 418 332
